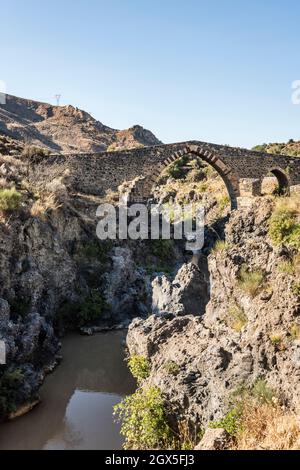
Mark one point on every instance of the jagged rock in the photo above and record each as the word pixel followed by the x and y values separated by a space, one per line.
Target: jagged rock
pixel 214 439
pixel 126 288
pixel 217 352
pixel 186 294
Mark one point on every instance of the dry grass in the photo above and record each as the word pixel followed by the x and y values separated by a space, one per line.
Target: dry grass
pixel 268 427
pixel 44 204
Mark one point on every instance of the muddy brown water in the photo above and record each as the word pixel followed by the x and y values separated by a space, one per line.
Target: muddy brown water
pixel 77 399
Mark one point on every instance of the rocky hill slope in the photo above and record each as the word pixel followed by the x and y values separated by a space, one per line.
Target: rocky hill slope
pixel 291 148
pixel 62 129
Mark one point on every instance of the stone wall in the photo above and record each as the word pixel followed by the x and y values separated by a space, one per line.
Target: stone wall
pixel 97 173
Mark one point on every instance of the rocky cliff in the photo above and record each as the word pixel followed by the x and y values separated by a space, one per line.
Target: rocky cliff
pixel 62 129
pixel 249 331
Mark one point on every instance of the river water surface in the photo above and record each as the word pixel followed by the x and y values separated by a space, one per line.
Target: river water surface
pixel 77 399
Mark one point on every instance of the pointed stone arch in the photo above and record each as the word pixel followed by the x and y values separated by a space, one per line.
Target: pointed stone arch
pixel 143 188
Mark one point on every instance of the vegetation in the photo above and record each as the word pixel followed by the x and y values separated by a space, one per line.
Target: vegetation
pixel 93 250
pixel 231 422
pixel 291 148
pixel 75 315
pixel 139 367
pixel 10 382
pixel 144 420
pixel 172 368
pixel 32 151
pixel 296 289
pixel 295 331
pixel 9 199
pixel 236 317
pixel 284 227
pixel 245 399
pixel 220 247
pixel 250 281
pixel 163 249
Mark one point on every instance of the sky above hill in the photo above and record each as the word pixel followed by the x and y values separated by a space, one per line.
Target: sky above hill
pixel 217 71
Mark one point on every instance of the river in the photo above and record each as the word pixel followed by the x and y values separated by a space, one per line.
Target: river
pixel 77 399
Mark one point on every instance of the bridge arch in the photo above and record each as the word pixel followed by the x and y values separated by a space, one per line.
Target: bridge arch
pixel 142 188
pixel 282 180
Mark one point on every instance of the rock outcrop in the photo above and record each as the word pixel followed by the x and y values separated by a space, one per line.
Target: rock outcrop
pixel 244 335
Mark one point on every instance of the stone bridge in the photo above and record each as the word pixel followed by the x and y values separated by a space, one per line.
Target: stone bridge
pixel 241 170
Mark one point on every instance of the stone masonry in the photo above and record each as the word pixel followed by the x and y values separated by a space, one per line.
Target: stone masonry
pixel 242 170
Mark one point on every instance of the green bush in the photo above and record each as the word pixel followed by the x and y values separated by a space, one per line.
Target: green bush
pixel 250 281
pixel 163 249
pixel 9 199
pixel 284 227
pixel 231 422
pixel 95 250
pixel 144 420
pixel 75 315
pixel 220 247
pixel 10 382
pixel 172 368
pixel 139 366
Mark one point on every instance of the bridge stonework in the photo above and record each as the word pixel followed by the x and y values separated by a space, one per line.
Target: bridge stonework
pixel 242 170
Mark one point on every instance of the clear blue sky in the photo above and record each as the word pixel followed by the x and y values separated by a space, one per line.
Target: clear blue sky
pixel 218 70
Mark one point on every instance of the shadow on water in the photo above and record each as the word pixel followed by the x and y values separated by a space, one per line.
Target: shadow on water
pixel 77 399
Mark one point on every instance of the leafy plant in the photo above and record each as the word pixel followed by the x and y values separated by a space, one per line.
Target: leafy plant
pixel 139 366
pixel 9 199
pixel 284 227
pixel 162 249
pixel 10 382
pixel 75 315
pixel 144 420
pixel 231 422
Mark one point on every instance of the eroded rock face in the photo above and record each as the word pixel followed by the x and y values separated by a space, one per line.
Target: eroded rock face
pixel 233 342
pixel 186 294
pixel 126 287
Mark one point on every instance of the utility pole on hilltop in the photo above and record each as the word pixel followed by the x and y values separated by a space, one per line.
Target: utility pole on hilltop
pixel 57 97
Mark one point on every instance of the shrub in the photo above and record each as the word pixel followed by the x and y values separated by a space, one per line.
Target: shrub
pixel 250 281
pixel 286 267
pixel 269 427
pixel 32 151
pixel 172 368
pixel 144 420
pixel 162 249
pixel 223 201
pixel 231 422
pixel 139 366
pixel 296 289
pixel 94 250
pixel 75 315
pixel 283 226
pixel 276 338
pixel 236 317
pixel 220 246
pixel 9 199
pixel 10 382
pixel 295 331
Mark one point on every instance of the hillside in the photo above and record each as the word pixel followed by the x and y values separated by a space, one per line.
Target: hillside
pixel 291 148
pixel 62 129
